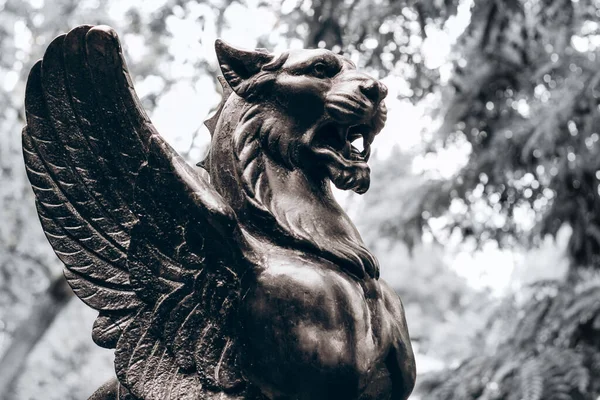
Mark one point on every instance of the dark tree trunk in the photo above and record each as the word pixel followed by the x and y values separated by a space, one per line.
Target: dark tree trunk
pixel 31 330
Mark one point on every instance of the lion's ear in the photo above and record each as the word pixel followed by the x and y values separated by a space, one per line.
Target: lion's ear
pixel 238 65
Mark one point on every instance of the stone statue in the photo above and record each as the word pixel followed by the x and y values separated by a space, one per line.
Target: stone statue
pixel 253 284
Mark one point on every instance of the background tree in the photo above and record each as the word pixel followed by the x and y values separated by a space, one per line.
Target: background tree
pixel 531 119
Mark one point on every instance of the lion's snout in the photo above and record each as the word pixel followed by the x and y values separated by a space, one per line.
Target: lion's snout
pixel 355 97
pixel 363 84
pixel 373 90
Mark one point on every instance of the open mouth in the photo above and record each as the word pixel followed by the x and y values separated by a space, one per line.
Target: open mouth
pixel 350 141
pixel 345 150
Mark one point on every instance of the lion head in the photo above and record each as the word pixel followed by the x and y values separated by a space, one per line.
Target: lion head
pixel 303 116
pixel 324 103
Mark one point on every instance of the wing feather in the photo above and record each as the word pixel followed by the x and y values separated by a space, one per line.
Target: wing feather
pixel 209 307
pixel 70 200
pixel 108 328
pixel 74 129
pixel 145 239
pixel 127 125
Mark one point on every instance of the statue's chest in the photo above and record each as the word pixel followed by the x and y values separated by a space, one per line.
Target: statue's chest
pixel 312 317
pixel 320 292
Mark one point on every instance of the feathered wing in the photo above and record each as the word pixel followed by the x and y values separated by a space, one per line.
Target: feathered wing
pixel 145 239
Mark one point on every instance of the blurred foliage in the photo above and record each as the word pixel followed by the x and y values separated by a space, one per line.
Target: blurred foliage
pixel 519 96
pixel 542 347
pixel 440 306
pixel 524 97
pixel 383 35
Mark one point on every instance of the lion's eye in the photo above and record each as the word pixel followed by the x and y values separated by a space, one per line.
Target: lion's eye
pixel 319 70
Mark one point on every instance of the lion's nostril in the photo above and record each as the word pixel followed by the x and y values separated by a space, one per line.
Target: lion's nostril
pixel 371 89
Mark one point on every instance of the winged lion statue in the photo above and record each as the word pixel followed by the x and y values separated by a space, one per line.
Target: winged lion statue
pixel 250 284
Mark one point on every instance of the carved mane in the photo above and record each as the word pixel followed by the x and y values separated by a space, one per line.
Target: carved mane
pixel 252 129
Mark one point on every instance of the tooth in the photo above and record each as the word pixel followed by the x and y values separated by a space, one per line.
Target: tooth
pixel 369 135
pixel 347 150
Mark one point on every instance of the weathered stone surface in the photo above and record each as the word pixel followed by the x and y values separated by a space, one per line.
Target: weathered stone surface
pixel 253 285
